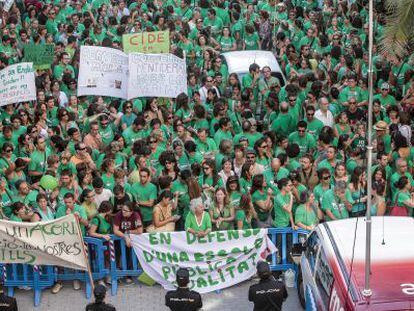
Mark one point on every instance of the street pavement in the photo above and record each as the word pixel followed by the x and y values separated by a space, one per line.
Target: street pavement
pixel 137 297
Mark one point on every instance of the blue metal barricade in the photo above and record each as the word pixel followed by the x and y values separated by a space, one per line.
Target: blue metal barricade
pixel 34 277
pixel 124 262
pixel 96 252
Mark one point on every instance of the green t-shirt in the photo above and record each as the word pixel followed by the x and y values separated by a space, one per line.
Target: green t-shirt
pixel 332 203
pixel 302 215
pixel 241 216
pixel 282 217
pixel 191 222
pixel 144 193
pixel 103 227
pixel 258 196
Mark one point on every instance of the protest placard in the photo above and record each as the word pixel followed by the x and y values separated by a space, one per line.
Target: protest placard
pixel 110 72
pixel 160 75
pixel 147 42
pixel 41 55
pixel 218 260
pixel 57 242
pixel 17 84
pixel 103 71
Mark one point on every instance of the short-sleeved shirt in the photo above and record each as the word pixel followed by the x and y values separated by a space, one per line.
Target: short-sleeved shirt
pixel 241 216
pixel 125 224
pixel 191 222
pixel 304 216
pixel 61 212
pixel 145 192
pixel 282 217
pixel 103 226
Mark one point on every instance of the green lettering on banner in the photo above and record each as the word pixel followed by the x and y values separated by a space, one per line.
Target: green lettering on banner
pixel 165 238
pixel 191 238
pixel 222 253
pixel 172 257
pixel 184 257
pixel 202 239
pixel 220 236
pixel 211 235
pixel 209 255
pixel 230 270
pixel 165 271
pixel 198 257
pixel 41 55
pixel 201 282
pixel 258 243
pixel 211 282
pixel 199 271
pixel 233 234
pixel 242 266
pixel 148 257
pixel 230 260
pixel 152 237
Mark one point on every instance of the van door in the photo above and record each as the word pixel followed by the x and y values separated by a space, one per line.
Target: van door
pixel 324 278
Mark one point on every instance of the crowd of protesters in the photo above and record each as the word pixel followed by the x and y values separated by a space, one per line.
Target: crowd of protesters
pixel 236 152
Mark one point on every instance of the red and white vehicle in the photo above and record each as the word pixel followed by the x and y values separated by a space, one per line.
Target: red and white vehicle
pixel 334 268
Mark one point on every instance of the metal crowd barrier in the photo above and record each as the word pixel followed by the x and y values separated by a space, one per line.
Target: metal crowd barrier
pixel 115 260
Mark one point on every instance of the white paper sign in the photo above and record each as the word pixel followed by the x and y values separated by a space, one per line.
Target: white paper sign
pixel 57 242
pixel 218 260
pixel 156 75
pixel 17 84
pixel 103 71
pixel 110 72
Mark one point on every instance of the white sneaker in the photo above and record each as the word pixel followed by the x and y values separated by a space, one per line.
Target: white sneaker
pixel 56 288
pixel 76 285
pixel 102 282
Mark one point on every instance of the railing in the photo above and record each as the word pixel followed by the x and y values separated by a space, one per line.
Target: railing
pixel 113 259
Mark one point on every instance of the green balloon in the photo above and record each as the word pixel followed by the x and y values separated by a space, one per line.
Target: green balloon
pixel 48 182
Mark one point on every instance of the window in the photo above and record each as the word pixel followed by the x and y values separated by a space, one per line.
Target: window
pixel 324 277
pixel 312 246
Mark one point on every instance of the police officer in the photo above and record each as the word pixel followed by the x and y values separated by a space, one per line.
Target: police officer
pixel 99 304
pixel 183 299
pixel 268 294
pixel 7 303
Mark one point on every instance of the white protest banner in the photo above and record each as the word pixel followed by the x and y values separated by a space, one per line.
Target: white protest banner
pixel 57 242
pixel 160 75
pixel 17 84
pixel 103 71
pixel 218 260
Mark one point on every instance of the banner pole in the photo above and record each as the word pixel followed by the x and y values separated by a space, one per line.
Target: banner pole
pixel 85 253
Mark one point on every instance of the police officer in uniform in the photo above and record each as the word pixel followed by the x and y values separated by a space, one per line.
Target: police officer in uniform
pixel 183 299
pixel 268 294
pixel 99 304
pixel 7 303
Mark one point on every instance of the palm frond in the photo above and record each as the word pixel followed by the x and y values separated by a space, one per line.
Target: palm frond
pixel 398 35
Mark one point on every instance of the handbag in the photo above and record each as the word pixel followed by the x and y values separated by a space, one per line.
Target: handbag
pixel 397 210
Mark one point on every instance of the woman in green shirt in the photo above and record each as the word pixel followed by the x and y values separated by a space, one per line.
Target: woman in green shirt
pixel 43 212
pixel 233 191
pixel 245 213
pixel 18 212
pixel 307 214
pixel 221 212
pixel 226 41
pixel 100 226
pixel 403 197
pixel 198 221
pixel 262 201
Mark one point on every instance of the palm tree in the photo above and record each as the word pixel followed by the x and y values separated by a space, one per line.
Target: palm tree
pixel 398 36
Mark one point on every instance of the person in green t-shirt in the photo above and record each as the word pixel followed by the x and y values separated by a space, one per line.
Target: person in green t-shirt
pixel 100 227
pixel 307 214
pixel 145 194
pixel 19 212
pixel 337 202
pixel 70 207
pixel 198 222
pixel 262 198
pixel 403 197
pixel 245 213
pixel 284 205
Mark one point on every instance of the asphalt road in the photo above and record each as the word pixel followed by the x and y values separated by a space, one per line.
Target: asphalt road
pixel 139 297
